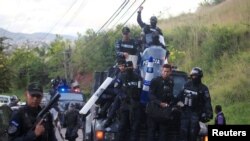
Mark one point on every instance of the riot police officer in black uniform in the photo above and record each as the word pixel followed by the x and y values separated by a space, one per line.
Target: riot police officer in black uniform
pixel 160 93
pixel 110 93
pixel 23 126
pixel 128 103
pixel 196 106
pixel 148 29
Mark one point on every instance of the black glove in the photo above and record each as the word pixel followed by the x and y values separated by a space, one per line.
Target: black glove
pixel 204 118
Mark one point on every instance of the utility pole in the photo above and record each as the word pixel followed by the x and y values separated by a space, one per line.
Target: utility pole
pixel 67 64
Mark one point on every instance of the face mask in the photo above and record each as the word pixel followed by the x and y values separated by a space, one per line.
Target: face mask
pixel 129 70
pixel 153 23
pixel 196 80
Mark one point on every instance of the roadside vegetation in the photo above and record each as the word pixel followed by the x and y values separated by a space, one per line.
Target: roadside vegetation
pixel 215 38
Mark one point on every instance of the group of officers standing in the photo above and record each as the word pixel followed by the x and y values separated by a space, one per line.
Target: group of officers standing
pixel 193 103
pixel 194 100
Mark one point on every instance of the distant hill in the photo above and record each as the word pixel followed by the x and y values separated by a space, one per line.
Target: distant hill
pixel 17 38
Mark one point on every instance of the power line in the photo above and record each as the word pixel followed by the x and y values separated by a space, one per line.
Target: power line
pixel 60 19
pixel 123 15
pixel 118 13
pixel 111 16
pixel 133 12
pixel 82 5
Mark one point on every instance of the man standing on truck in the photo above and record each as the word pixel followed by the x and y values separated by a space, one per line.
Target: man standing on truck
pixel 195 103
pixel 111 92
pixel 148 29
pixel 161 94
pixel 127 101
pixel 127 48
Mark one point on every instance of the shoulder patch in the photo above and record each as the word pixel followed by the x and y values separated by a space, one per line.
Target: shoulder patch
pixel 13 127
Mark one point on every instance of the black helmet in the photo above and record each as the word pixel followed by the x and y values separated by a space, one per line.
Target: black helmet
pixel 125 30
pixel 153 21
pixel 197 72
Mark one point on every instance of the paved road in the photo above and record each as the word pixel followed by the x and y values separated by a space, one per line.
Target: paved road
pixel 80 137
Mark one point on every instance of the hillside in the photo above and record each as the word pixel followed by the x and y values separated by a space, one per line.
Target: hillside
pixel 228 12
pixel 216 38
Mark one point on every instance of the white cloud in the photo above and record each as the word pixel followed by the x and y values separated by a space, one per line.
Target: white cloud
pixel 72 16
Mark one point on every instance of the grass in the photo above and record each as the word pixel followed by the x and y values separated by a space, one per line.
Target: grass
pixel 226 74
pixel 228 12
pixel 230 88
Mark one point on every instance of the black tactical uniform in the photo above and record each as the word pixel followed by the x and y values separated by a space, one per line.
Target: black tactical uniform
pixel 130 47
pixel 148 30
pixel 196 106
pixel 125 46
pixel 161 91
pixel 72 123
pixel 22 122
pixel 128 102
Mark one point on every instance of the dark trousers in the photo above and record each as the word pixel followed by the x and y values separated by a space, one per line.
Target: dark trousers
pixel 124 126
pixel 155 127
pixel 189 127
pixel 135 118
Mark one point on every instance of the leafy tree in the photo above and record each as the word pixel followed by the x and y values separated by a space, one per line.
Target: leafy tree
pixel 5 74
pixel 27 66
pixel 56 57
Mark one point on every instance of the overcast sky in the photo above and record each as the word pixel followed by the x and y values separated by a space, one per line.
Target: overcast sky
pixel 72 16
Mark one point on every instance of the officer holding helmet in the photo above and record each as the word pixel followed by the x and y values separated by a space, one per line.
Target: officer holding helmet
pixel 195 103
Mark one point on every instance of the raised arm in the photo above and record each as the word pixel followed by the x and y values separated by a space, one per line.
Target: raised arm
pixel 139 20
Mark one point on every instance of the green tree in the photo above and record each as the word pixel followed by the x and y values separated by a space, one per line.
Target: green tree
pixel 5 74
pixel 27 66
pixel 55 58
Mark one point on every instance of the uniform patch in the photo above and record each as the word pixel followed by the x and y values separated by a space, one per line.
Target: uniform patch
pixel 14 123
pixel 12 128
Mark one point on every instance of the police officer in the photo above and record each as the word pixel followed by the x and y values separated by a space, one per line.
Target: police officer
pixel 148 29
pixel 196 106
pixel 153 22
pixel 160 93
pixel 128 103
pixel 126 47
pixel 23 126
pixel 110 93
pixel 72 122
